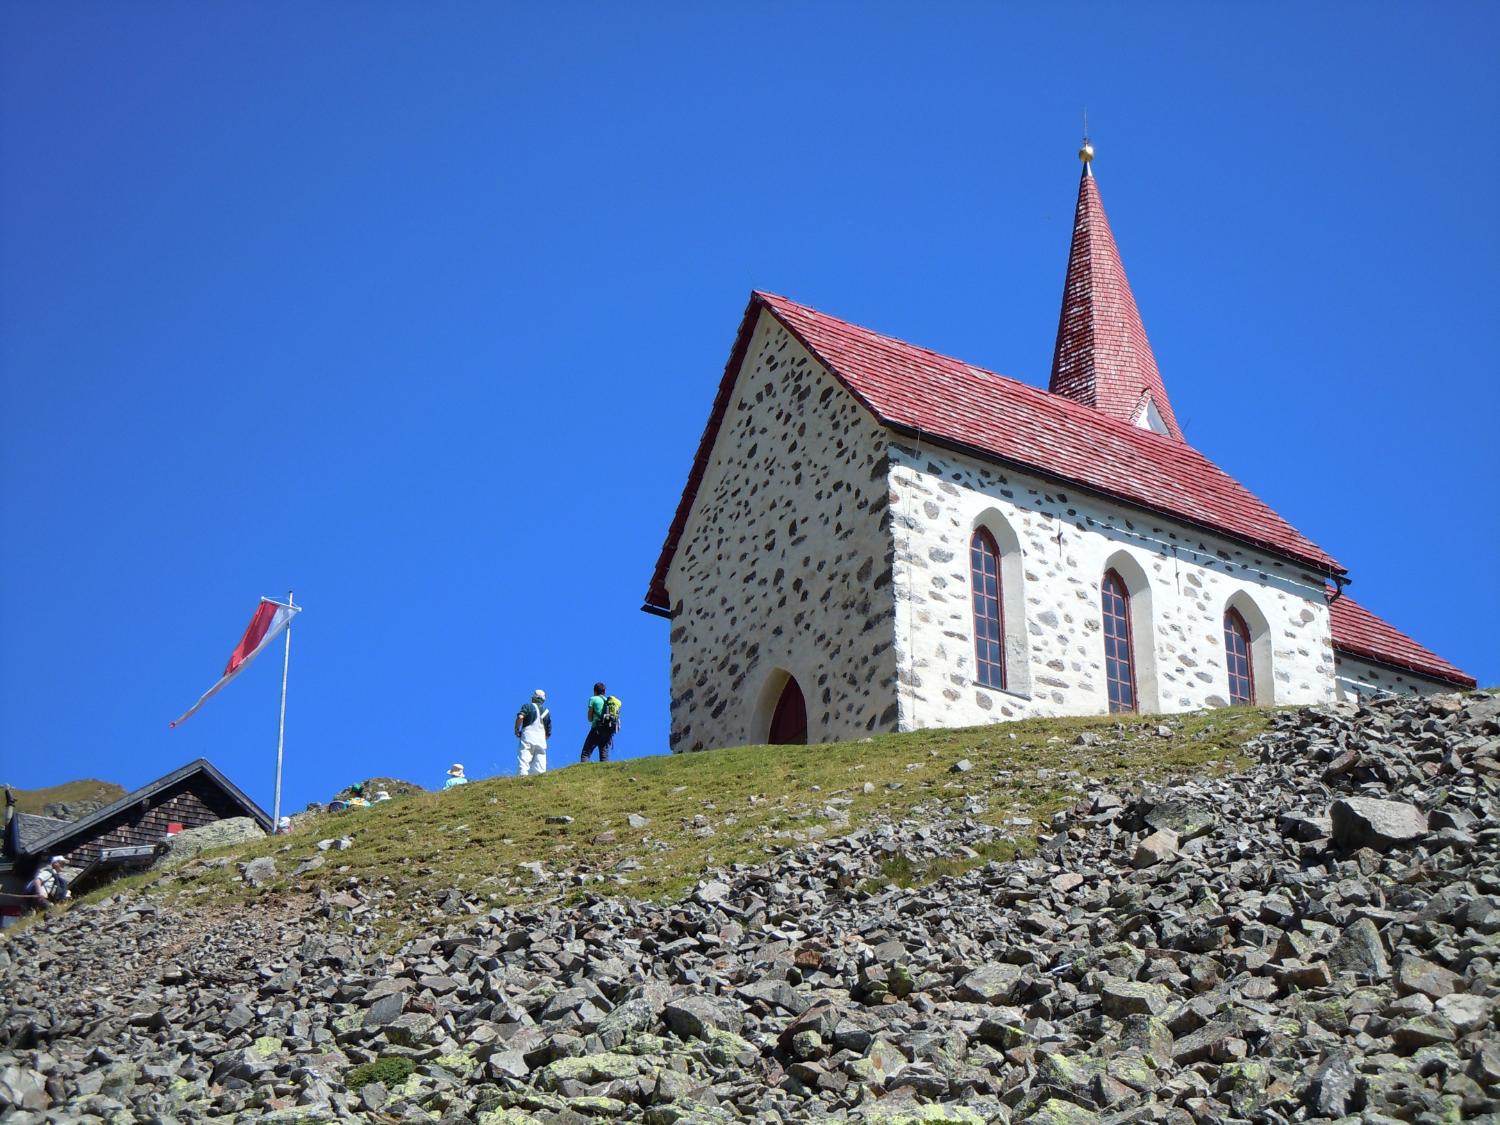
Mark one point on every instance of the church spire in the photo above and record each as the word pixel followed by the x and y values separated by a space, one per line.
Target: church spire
pixel 1103 358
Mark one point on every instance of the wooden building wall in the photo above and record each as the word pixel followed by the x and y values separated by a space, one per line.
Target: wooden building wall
pixel 193 802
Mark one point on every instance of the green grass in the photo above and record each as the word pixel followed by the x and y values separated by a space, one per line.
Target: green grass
pixel 756 800
pixel 388 1070
pixel 901 870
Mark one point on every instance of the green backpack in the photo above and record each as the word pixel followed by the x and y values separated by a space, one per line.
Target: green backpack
pixel 609 718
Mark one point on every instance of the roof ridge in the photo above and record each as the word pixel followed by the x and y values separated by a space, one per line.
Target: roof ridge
pixel 181 773
pixel 909 389
pixel 776 297
pixel 1084 412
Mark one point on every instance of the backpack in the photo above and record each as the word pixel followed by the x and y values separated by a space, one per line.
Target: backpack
pixel 609 719
pixel 54 884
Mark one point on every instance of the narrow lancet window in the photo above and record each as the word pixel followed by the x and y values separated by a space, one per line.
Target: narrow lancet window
pixel 989 621
pixel 1119 663
pixel 1237 657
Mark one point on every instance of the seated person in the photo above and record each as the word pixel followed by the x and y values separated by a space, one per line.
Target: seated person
pixel 48 885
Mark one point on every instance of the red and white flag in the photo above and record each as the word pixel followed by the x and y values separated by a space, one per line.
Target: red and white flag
pixel 269 620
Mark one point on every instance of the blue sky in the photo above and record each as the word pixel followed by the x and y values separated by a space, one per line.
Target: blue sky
pixel 420 309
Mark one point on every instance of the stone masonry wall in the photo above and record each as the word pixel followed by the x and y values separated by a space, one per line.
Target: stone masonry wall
pixel 784 566
pixel 1055 545
pixel 1360 679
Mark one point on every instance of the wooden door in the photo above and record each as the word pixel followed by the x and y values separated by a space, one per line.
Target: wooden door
pixel 789 723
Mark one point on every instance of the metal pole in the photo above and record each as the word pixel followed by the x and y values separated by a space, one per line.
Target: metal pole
pixel 286 662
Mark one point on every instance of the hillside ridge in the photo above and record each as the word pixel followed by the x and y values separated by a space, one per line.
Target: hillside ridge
pixel 1309 936
pixel 67 800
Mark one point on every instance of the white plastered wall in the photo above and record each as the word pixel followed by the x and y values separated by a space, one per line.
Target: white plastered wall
pixel 1362 679
pixel 1055 656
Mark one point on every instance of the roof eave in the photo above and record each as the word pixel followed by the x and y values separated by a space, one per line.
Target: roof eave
pixel 1330 566
pixel 658 601
pixel 145 792
pixel 1456 678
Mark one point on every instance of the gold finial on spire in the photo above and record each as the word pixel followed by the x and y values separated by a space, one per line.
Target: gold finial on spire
pixel 1086 153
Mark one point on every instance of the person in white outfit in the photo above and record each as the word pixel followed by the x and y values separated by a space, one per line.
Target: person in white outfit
pixel 533 726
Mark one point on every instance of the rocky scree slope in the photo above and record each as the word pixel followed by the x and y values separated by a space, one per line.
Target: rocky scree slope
pixel 1313 940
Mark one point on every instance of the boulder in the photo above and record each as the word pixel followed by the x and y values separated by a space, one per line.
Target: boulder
pixel 994 983
pixel 258 872
pixel 1360 951
pixel 182 846
pixel 1156 848
pixel 1368 822
pixel 695 1016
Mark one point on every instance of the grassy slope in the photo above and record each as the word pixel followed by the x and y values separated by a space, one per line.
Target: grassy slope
pixel 34 800
pixel 754 798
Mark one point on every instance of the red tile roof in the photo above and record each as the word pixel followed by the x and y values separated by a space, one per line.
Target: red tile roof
pixel 1360 633
pixel 1102 358
pixel 996 418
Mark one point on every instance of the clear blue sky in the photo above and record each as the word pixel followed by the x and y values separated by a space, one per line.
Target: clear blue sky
pixel 420 309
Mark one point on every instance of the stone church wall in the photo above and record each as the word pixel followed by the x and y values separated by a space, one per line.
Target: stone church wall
pixel 1055 546
pixel 784 565
pixel 1361 679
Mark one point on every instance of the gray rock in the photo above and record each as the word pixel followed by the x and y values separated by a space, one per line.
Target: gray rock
pixel 712 892
pixel 994 983
pixel 244 1063
pixel 1416 974
pixel 312 863
pixel 1186 818
pixel 384 1009
pixel 626 1020
pixel 806 988
pixel 1359 950
pixel 182 846
pixel 779 994
pixel 1156 848
pixel 409 1030
pixel 1465 1012
pixel 1366 822
pixel 259 872
pixel 1123 998
pixel 693 1017
pixel 22 1088
pixel 1331 1093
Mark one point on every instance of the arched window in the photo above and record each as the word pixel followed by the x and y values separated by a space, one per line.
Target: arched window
pixel 1119 662
pixel 989 620
pixel 1237 658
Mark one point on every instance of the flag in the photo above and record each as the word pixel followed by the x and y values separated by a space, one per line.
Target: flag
pixel 269 620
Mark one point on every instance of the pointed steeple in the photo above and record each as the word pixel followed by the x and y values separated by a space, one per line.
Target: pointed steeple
pixel 1103 358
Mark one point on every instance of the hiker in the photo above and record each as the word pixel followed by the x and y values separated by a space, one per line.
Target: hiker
pixel 455 778
pixel 604 721
pixel 283 826
pixel 48 885
pixel 533 727
pixel 357 796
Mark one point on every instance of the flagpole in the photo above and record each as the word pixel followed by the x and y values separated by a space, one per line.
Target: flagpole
pixel 286 663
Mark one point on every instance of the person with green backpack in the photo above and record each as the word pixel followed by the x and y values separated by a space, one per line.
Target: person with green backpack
pixel 604 721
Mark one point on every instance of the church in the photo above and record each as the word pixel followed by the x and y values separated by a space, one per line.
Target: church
pixel 875 538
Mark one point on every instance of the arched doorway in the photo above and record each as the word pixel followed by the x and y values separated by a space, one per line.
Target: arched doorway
pixel 789 722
